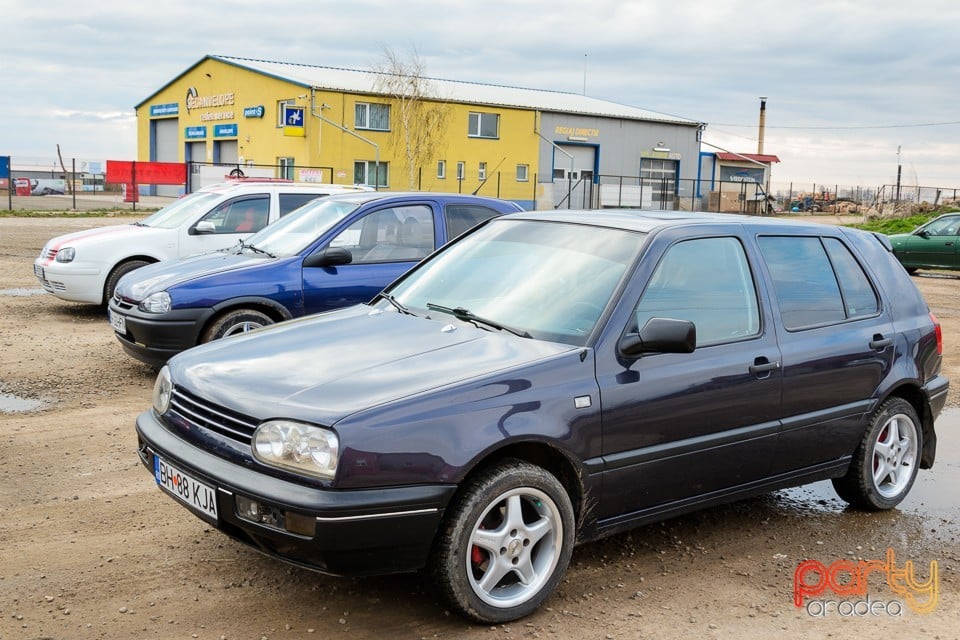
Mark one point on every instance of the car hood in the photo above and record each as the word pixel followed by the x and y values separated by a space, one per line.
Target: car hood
pixel 323 368
pixel 104 236
pixel 165 274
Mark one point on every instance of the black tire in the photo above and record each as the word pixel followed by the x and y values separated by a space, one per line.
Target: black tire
pixel 118 272
pixel 235 322
pixel 911 270
pixel 529 524
pixel 885 464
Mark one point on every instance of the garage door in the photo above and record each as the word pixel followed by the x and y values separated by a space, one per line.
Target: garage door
pixel 165 144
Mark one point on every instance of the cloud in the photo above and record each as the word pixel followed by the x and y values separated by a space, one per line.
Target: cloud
pixel 846 82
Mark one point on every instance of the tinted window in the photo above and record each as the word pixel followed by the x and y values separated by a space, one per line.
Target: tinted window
pixel 290 201
pixel 806 285
pixel 396 234
pixel 859 298
pixel 241 215
pixel 708 282
pixel 461 217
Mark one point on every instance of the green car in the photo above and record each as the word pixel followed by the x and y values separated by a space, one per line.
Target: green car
pixel 930 246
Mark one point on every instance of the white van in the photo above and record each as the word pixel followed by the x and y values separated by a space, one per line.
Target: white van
pixel 85 266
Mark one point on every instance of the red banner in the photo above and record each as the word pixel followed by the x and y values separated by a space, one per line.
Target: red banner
pixel 132 172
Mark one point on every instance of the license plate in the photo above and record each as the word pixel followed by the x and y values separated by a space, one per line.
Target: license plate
pixel 38 271
pixel 118 322
pixel 185 488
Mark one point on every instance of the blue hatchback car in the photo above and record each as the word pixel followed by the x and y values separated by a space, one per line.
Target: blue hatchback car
pixel 548 379
pixel 331 253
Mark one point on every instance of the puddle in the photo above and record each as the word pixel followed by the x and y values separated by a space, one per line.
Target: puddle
pixel 933 497
pixel 21 292
pixel 15 404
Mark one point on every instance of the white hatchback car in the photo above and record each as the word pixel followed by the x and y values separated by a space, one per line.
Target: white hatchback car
pixel 85 266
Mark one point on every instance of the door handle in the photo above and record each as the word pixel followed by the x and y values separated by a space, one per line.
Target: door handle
pixel 761 367
pixel 880 343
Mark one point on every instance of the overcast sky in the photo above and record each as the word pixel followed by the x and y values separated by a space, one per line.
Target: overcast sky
pixel 847 82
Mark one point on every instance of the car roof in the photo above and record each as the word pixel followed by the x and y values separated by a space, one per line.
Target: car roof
pixel 369 196
pixel 646 221
pixel 252 184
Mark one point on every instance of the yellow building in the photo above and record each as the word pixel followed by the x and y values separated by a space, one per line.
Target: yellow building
pixel 312 123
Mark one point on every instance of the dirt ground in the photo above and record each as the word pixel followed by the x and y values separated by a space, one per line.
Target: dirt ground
pixel 91 548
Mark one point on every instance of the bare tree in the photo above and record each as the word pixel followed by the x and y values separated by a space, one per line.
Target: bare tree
pixel 421 114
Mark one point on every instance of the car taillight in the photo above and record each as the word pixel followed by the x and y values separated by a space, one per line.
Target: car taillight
pixel 936 327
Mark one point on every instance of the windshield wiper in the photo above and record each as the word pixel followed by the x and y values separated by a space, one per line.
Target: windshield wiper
pixel 244 245
pixel 465 314
pixel 396 303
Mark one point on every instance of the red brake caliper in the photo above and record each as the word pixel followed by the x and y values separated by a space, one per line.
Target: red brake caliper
pixel 476 555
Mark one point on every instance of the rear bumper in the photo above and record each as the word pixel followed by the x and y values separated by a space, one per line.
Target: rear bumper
pixel 354 532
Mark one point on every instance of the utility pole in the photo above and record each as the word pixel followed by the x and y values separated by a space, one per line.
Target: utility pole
pixel 898 173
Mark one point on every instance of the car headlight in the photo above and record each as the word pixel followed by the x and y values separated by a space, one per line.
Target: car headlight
pixel 155 303
pixel 162 390
pixel 67 254
pixel 297 447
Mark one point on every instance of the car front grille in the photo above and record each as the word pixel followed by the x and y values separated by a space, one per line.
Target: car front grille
pixel 198 413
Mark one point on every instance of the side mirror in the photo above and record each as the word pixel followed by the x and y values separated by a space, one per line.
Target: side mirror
pixel 329 257
pixel 661 335
pixel 923 233
pixel 202 228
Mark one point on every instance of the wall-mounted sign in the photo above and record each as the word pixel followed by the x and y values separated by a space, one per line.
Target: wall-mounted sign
pixel 195 133
pixel 253 112
pixel 195 101
pixel 579 132
pixel 293 121
pixel 225 131
pixel 169 109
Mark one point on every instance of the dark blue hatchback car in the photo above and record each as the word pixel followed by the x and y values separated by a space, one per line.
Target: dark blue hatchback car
pixel 548 379
pixel 330 253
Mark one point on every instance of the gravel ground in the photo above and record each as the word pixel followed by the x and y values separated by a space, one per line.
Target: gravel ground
pixel 90 548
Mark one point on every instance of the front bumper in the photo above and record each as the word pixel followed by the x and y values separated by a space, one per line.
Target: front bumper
pixel 155 339
pixel 356 532
pixel 73 283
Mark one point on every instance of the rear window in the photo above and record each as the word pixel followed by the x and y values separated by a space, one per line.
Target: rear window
pixel 291 201
pixel 461 217
pixel 817 281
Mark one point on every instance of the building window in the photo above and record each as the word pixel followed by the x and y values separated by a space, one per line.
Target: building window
pixel 370 115
pixel 441 169
pixel 484 125
pixel 461 170
pixel 365 172
pixel 285 166
pixel 523 172
pixel 280 105
pixel 482 171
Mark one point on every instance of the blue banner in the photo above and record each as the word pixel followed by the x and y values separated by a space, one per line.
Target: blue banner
pixel 225 131
pixel 4 167
pixel 194 133
pixel 169 109
pixel 253 112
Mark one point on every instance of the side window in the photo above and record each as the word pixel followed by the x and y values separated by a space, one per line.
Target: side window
pixel 943 227
pixel 804 281
pixel 859 298
pixel 291 201
pixel 243 215
pixel 397 234
pixel 460 217
pixel 708 282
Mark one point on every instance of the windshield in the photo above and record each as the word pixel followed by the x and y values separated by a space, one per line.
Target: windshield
pixel 295 232
pixel 548 279
pixel 186 208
